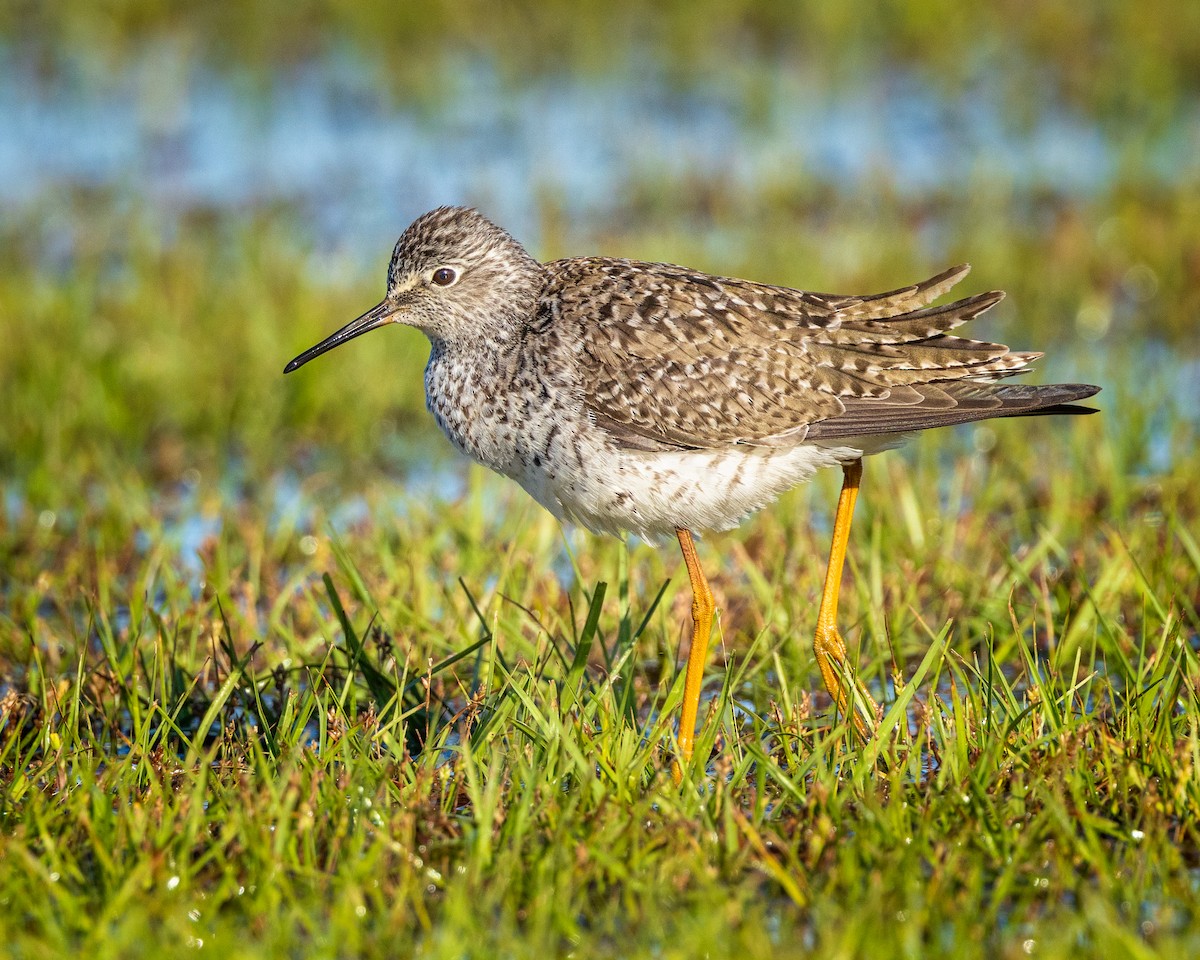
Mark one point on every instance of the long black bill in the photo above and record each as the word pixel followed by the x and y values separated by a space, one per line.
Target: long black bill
pixel 377 316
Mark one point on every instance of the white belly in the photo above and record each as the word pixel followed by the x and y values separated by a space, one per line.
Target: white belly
pixel 579 473
pixel 653 494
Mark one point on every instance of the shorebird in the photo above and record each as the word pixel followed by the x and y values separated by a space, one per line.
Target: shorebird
pixel 650 398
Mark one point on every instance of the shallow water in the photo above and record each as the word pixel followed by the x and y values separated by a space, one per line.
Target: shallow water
pixel 360 165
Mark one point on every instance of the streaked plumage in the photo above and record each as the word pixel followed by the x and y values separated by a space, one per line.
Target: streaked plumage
pixel 673 359
pixel 651 398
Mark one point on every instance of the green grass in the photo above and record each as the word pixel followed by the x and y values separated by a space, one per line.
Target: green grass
pixel 235 766
pixel 1132 65
pixel 438 728
pixel 280 676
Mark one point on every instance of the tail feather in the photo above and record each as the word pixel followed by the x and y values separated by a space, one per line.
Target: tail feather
pixel 971 401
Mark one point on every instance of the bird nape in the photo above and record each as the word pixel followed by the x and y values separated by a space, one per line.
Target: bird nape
pixel 649 398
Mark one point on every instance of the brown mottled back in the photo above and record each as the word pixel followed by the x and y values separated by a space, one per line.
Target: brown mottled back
pixel 668 357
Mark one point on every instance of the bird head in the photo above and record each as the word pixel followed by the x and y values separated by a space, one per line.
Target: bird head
pixel 455 276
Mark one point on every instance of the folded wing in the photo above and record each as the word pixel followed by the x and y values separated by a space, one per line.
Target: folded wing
pixel 670 358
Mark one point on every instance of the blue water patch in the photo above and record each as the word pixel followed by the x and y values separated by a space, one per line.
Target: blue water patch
pixel 360 165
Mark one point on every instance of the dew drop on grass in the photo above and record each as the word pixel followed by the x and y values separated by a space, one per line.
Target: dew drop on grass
pixel 172 883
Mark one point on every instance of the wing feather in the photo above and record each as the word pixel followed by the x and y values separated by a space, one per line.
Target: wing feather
pixel 670 358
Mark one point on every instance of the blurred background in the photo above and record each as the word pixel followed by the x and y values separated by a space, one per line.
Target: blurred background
pixel 387 652
pixel 192 194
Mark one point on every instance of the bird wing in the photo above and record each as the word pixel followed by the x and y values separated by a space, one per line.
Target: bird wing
pixel 671 358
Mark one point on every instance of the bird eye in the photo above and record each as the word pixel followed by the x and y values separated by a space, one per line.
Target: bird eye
pixel 444 276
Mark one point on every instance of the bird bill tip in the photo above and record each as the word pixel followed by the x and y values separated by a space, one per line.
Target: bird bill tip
pixel 377 316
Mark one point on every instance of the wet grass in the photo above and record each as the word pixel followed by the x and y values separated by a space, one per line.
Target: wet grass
pixel 440 732
pixel 1130 64
pixel 280 676
pixel 271 690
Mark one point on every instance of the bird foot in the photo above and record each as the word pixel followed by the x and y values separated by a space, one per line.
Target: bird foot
pixel 840 680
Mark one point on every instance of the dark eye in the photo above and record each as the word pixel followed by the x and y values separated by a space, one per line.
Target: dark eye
pixel 444 276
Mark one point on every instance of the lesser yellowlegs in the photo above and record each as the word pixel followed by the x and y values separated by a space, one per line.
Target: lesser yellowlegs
pixel 650 398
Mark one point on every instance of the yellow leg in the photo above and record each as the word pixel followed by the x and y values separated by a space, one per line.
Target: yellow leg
pixel 828 645
pixel 702 618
